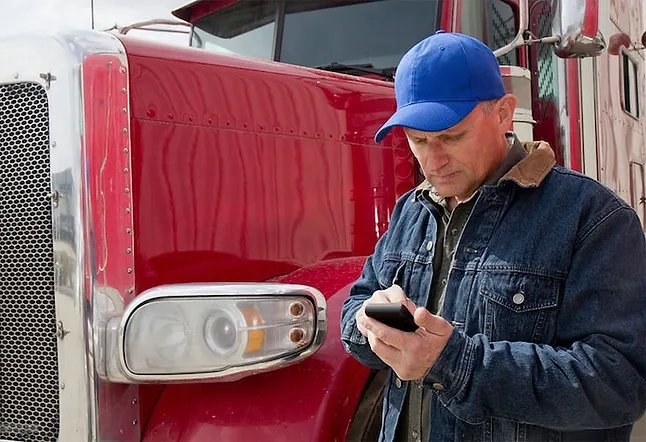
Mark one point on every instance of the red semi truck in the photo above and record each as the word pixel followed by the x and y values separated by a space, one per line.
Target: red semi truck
pixel 180 226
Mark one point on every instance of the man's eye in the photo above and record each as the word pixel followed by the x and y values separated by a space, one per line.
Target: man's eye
pixel 454 138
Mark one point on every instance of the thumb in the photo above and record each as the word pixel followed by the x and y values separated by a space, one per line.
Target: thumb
pixel 431 323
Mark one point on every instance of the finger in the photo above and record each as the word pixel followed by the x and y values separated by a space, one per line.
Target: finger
pixel 385 352
pixel 391 336
pixel 361 317
pixel 377 297
pixel 432 323
pixel 394 293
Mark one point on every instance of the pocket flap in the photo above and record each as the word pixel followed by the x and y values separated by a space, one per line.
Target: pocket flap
pixel 520 292
pixel 391 272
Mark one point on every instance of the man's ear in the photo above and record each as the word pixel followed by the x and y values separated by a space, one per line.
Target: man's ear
pixel 505 111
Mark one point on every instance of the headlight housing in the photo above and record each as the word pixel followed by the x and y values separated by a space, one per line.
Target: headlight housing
pixel 214 331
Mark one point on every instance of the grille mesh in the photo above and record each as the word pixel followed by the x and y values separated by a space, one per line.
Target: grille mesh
pixel 29 402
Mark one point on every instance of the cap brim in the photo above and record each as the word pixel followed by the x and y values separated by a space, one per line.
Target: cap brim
pixel 430 116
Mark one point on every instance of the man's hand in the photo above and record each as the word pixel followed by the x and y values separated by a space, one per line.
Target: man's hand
pixel 410 355
pixel 393 294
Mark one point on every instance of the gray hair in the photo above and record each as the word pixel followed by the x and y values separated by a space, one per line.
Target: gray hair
pixel 487 105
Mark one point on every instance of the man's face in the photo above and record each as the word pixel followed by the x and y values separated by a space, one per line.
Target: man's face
pixel 458 160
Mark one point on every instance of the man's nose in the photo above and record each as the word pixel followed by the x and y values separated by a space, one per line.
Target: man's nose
pixel 436 157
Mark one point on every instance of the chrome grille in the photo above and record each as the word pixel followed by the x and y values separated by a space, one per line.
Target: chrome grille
pixel 29 403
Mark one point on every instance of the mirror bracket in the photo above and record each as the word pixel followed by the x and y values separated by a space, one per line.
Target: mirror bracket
pixel 519 40
pixel 529 39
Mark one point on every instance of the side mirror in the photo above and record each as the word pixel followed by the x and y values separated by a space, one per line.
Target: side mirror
pixel 577 23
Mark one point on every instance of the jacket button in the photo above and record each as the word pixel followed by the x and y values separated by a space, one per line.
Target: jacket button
pixel 438 387
pixel 398 383
pixel 429 245
pixel 518 298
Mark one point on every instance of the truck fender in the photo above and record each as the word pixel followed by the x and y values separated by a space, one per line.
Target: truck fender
pixel 314 400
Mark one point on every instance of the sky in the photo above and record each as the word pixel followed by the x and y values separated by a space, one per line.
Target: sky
pixel 20 16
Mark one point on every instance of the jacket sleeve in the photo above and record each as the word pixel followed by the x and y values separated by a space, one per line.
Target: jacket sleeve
pixel 353 341
pixel 595 376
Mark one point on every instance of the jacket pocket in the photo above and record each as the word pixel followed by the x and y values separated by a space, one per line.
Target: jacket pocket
pixel 519 306
pixel 392 272
pixel 411 272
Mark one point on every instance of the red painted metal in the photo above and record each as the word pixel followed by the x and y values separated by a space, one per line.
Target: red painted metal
pixel 523 57
pixel 457 19
pixel 591 18
pixel 314 400
pixel 544 109
pixel 109 255
pixel 108 171
pixel 617 41
pixel 446 20
pixel 242 174
pixel 199 9
pixel 574 113
pixel 246 170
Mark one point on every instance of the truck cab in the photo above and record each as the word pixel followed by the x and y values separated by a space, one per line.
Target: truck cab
pixel 180 226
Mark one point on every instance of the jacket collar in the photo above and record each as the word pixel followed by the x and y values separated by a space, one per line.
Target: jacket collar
pixel 528 172
pixel 532 170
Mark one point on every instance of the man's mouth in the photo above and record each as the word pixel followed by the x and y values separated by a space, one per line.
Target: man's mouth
pixel 446 177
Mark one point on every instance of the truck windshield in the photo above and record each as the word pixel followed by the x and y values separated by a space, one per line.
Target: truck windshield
pixel 315 33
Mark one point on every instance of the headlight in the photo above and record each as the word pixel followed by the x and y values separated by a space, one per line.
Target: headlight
pixel 204 332
pixel 221 333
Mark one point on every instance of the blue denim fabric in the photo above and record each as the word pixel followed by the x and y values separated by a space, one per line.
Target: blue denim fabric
pixel 566 361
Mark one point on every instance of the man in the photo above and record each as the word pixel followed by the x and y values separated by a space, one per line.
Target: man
pixel 527 280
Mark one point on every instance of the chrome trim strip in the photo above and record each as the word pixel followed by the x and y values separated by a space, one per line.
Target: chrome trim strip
pixel 118 370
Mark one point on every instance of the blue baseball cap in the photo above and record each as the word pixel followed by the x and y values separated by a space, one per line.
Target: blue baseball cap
pixel 440 80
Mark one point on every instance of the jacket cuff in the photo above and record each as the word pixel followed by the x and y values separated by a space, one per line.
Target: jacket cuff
pixel 353 341
pixel 356 337
pixel 357 345
pixel 452 370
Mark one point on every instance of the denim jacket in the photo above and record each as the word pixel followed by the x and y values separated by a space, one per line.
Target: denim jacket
pixel 547 296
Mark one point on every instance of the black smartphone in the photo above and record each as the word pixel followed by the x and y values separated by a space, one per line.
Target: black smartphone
pixel 393 315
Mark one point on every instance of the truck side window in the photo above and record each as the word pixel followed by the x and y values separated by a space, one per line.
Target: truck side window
pixel 491 21
pixel 630 85
pixel 245 28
